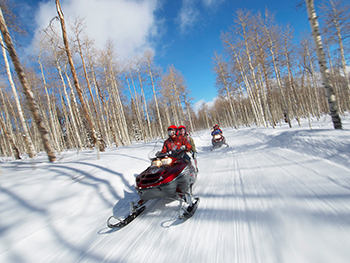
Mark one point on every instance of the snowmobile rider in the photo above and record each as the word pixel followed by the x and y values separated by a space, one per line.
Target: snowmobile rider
pixel 183 132
pixel 216 130
pixel 175 142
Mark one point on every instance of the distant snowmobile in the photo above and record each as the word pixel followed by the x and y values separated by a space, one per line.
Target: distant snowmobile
pixel 218 140
pixel 170 175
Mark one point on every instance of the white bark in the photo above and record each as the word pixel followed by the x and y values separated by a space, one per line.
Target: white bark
pixel 27 91
pixel 27 139
pixel 323 66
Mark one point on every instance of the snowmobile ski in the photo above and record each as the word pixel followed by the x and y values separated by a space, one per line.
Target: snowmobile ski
pixel 189 212
pixel 127 220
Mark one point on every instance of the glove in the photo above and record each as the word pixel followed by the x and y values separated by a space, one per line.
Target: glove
pixel 183 147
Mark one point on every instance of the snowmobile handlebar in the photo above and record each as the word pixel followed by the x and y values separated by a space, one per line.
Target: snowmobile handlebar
pixel 169 154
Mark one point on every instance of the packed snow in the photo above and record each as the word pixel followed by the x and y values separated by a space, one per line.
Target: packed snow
pixel 274 196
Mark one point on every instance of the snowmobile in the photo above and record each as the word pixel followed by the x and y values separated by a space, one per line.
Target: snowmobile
pixel 170 175
pixel 218 140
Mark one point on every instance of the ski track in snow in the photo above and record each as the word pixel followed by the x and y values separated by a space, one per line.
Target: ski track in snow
pixel 268 197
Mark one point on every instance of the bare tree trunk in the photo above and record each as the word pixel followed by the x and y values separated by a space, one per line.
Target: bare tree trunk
pixel 134 109
pixel 252 71
pixel 99 99
pixel 10 140
pixel 336 16
pixel 28 93
pixel 188 113
pixel 138 110
pixel 91 127
pixel 145 104
pixel 248 88
pixel 75 127
pixel 222 75
pixel 149 60
pixel 175 89
pixel 102 144
pixel 332 102
pixel 314 81
pixel 119 104
pixel 76 113
pixel 334 80
pixel 27 140
pixel 51 115
pixel 273 49
pixel 115 123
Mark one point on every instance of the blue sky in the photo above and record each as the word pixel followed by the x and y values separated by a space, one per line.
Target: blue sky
pixel 183 33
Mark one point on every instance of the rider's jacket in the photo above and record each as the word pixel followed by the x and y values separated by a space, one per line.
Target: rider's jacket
pixel 175 144
pixel 218 131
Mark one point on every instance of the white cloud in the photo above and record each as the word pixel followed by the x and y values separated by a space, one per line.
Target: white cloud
pixel 188 15
pixel 199 104
pixel 212 3
pixel 130 24
pixel 211 103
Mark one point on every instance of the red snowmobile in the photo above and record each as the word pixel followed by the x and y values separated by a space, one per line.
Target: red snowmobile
pixel 170 175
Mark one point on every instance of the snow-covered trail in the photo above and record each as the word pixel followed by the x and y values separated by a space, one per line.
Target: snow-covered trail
pixel 256 203
pixel 272 196
pixel 261 198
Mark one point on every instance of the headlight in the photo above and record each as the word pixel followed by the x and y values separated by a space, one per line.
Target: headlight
pixel 160 162
pixel 156 163
pixel 166 161
pixel 217 136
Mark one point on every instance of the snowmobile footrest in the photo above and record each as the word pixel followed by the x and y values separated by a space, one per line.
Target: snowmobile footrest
pixel 191 209
pixel 127 220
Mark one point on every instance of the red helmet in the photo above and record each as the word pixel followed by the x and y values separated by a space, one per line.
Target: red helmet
pixel 172 130
pixel 216 126
pixel 172 127
pixel 181 127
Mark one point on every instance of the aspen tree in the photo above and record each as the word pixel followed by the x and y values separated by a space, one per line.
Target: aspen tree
pixel 8 137
pixel 74 124
pixel 8 127
pixel 248 87
pixel 51 116
pixel 137 104
pixel 148 56
pixel 29 94
pixel 272 34
pixel 143 97
pixel 120 107
pixel 176 84
pixel 336 82
pixel 165 91
pixel 27 139
pixel 77 32
pixel 332 102
pixel 111 101
pixel 287 52
pixel 242 21
pixel 338 18
pixel 76 111
pixel 261 44
pixel 99 96
pixel 223 80
pixel 91 127
pixel 135 109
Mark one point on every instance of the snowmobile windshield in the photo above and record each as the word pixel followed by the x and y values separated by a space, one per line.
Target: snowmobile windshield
pixel 157 147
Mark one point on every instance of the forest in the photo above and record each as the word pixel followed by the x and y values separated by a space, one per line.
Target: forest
pixel 74 96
